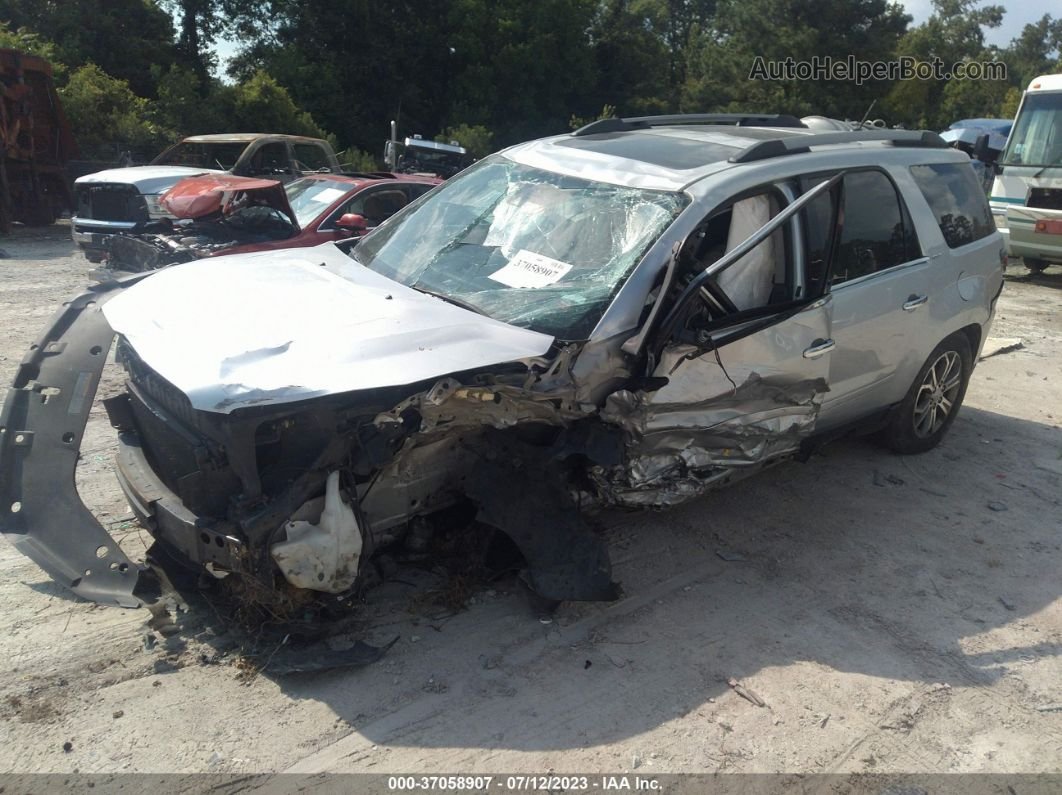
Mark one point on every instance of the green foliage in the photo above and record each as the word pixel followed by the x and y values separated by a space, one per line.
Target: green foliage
pixel 607 112
pixel 721 61
pixel 27 41
pixel 953 33
pixel 124 38
pixel 474 137
pixel 489 73
pixel 355 159
pixel 972 99
pixel 1009 109
pixel 181 105
pixel 261 104
pixel 104 112
pixel 1036 51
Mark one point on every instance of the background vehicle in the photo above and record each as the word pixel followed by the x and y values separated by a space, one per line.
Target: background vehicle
pixel 124 199
pixel 982 139
pixel 631 315
pixel 1027 191
pixel 419 156
pixel 219 214
pixel 35 142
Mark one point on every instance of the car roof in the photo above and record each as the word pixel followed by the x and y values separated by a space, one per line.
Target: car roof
pixel 673 156
pixel 243 138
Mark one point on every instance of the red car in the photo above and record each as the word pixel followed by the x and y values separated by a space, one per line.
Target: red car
pixel 222 214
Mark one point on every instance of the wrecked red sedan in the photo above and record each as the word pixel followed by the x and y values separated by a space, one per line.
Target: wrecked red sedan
pixel 222 214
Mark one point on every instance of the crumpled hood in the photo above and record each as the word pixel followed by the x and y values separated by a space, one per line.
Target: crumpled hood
pixel 199 196
pixel 281 326
pixel 146 179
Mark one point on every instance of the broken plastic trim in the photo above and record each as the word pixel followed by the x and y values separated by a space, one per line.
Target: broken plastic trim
pixel 41 427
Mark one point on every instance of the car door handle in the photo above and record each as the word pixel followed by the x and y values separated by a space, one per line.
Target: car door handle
pixel 818 348
pixel 915 301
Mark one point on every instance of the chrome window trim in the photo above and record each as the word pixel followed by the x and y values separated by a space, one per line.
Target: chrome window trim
pixel 867 277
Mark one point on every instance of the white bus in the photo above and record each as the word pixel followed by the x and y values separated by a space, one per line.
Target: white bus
pixel 1027 191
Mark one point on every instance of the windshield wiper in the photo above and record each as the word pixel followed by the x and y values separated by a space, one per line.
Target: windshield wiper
pixel 450 300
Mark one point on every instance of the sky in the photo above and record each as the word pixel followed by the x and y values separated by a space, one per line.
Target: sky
pixel 1019 12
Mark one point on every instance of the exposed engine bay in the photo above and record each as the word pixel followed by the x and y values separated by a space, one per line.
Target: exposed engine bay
pixel 165 242
pixel 207 215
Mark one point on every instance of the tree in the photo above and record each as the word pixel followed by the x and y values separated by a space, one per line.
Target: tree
pixel 261 104
pixel 27 41
pixel 124 38
pixel 107 116
pixel 1035 51
pixel 631 59
pixel 953 33
pixel 475 138
pixel 517 68
pixel 721 58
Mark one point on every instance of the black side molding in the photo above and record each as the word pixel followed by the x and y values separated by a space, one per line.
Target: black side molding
pixel 41 427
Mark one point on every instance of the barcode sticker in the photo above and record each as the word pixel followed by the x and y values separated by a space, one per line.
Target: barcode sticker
pixel 530 270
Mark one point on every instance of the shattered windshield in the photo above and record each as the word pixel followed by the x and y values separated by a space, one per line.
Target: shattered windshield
pixel 310 197
pixel 522 245
pixel 222 156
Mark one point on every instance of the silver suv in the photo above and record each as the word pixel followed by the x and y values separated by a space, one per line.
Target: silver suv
pixel 632 314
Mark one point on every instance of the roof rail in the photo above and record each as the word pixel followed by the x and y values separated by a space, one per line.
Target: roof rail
pixel 645 122
pixel 800 144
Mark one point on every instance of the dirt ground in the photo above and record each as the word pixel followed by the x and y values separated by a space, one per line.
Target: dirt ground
pixel 895 614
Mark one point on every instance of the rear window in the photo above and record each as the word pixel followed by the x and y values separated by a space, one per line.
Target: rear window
pixel 957 200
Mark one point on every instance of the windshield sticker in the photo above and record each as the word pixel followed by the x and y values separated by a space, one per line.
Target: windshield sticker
pixel 327 195
pixel 531 270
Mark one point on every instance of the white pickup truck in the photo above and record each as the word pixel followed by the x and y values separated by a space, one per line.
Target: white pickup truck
pixel 124 199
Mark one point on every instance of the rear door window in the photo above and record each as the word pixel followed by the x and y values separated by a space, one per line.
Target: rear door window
pixel 957 200
pixel 311 157
pixel 876 233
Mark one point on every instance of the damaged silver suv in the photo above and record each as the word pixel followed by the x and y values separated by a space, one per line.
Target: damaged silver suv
pixel 629 315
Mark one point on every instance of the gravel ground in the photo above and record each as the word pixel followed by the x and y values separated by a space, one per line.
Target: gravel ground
pixel 895 614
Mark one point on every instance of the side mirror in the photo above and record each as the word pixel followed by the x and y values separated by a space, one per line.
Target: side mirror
pixel 352 223
pixel 980 148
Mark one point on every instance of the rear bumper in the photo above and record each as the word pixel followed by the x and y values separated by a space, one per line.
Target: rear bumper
pixel 41 427
pixel 1024 241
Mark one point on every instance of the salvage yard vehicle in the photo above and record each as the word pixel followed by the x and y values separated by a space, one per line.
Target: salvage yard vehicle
pixel 121 200
pixel 630 315
pixel 35 142
pixel 220 214
pixel 418 155
pixel 1027 192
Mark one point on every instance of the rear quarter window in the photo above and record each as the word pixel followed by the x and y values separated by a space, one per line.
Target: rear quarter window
pixel 958 202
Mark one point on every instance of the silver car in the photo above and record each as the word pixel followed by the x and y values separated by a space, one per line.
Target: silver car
pixel 630 315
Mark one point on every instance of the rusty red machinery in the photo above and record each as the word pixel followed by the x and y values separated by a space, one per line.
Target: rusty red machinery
pixel 35 142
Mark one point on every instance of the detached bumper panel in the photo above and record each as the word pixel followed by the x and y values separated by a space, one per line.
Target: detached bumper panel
pixel 41 427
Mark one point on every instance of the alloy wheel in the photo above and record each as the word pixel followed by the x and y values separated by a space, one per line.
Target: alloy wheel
pixel 937 393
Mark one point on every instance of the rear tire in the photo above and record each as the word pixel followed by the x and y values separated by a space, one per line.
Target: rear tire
pixel 1035 265
pixel 933 400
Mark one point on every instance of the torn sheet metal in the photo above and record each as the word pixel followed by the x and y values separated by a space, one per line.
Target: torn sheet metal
pixel 284 326
pixel 677 451
pixel 323 543
pixel 200 196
